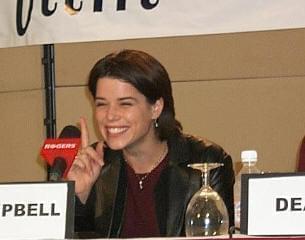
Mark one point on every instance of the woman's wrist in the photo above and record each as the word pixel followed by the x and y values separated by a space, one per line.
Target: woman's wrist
pixel 83 195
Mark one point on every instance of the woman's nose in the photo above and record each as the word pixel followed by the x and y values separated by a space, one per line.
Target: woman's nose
pixel 112 113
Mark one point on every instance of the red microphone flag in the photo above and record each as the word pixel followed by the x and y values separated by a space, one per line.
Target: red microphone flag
pixel 65 148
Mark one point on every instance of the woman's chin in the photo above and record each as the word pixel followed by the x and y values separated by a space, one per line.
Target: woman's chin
pixel 115 146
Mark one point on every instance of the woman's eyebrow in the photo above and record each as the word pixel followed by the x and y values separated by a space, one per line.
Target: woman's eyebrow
pixel 120 99
pixel 99 98
pixel 127 98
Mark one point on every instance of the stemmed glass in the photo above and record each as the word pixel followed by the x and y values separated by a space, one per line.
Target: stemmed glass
pixel 206 213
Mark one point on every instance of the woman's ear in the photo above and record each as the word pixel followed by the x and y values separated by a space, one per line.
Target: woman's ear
pixel 157 108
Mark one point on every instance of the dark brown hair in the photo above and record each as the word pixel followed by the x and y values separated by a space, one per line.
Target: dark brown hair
pixel 147 75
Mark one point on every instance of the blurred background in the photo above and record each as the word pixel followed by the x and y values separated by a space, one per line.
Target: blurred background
pixel 240 90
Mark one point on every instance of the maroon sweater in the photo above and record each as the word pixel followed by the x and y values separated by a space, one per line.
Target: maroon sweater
pixel 140 218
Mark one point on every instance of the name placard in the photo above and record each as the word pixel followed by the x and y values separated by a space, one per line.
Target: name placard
pixel 273 204
pixel 39 210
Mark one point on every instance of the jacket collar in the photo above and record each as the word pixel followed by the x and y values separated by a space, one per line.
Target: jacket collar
pixel 173 191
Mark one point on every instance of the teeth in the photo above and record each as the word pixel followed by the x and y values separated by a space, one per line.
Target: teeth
pixel 116 130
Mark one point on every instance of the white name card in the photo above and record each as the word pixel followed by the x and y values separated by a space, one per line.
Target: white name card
pixel 273 204
pixel 40 210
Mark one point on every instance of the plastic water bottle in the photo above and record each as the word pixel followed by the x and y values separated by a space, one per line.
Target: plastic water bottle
pixel 249 160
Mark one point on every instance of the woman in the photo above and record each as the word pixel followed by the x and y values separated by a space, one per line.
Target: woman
pixel 135 182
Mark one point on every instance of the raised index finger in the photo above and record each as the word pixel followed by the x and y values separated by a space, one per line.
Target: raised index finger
pixel 84 132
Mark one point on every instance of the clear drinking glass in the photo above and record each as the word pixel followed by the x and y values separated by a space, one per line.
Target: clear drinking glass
pixel 206 213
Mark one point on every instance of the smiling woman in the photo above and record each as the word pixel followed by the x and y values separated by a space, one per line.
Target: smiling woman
pixel 123 114
pixel 135 182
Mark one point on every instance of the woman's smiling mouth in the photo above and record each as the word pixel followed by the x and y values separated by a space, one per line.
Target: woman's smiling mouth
pixel 116 130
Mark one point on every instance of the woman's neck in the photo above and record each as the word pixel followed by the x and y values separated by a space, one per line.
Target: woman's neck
pixel 145 158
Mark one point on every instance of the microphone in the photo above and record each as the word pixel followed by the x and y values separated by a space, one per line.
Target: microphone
pixel 60 153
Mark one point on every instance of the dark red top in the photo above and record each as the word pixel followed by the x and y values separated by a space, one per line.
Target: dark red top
pixel 140 219
pixel 301 164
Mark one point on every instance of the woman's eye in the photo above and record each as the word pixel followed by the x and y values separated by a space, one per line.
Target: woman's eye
pixel 126 104
pixel 99 104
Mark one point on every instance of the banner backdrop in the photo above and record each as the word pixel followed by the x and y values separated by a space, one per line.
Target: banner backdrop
pixel 29 22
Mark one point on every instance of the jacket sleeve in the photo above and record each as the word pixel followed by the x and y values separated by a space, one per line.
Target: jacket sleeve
pixel 222 180
pixel 84 218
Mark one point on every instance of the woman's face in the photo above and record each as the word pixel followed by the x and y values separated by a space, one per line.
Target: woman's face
pixel 124 116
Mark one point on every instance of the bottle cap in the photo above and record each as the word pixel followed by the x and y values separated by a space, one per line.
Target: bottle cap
pixel 249 156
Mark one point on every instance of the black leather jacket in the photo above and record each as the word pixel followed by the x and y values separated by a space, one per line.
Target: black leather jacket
pixel 102 215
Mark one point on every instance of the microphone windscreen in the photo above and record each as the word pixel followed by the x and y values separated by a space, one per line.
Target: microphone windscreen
pixel 70 131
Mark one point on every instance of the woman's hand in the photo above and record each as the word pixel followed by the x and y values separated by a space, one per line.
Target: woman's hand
pixel 87 164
